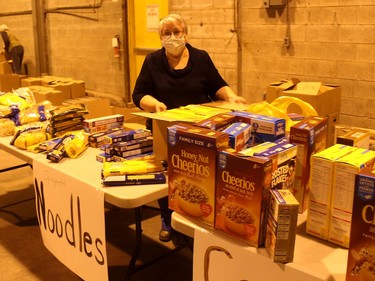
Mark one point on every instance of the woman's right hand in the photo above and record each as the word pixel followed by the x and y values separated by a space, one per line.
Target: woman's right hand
pixel 160 106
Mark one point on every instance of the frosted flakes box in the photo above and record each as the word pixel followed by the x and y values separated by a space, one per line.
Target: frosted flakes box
pixel 310 136
pixel 264 128
pixel 283 165
pixel 361 253
pixel 242 195
pixel 192 153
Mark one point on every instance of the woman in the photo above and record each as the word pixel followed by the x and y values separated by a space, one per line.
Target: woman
pixel 13 47
pixel 177 75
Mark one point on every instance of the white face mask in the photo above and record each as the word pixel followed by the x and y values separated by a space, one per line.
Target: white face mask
pixel 174 45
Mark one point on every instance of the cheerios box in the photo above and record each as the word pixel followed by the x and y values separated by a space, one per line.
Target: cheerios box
pixel 242 194
pixel 361 253
pixel 192 153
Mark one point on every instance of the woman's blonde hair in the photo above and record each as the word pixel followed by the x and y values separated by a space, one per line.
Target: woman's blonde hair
pixel 173 18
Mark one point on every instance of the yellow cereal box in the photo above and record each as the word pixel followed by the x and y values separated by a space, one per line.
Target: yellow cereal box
pixel 322 173
pixel 192 153
pixel 343 192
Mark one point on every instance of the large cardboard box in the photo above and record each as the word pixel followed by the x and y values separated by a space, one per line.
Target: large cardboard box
pixel 192 160
pixel 9 82
pixel 242 196
pixel 310 136
pixel 326 99
pixel 320 197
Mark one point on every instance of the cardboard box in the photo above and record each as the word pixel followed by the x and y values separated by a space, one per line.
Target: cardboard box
pixel 282 226
pixel 77 89
pixel 97 107
pixel 326 99
pixel 343 193
pixel 333 121
pixel 9 82
pixel 31 81
pixel 310 136
pixel 42 93
pixel 352 136
pixel 5 68
pixel 320 197
pixel 362 244
pixel 242 185
pixel 192 154
pixel 162 120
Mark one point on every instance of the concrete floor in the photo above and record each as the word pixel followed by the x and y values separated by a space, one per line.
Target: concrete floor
pixel 24 257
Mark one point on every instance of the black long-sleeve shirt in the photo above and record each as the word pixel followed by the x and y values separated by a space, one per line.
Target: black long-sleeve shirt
pixel 195 84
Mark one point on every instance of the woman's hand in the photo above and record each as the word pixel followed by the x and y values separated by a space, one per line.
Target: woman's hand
pixel 150 104
pixel 226 94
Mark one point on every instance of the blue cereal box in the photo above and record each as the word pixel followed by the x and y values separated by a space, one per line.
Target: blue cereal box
pixel 264 128
pixel 239 135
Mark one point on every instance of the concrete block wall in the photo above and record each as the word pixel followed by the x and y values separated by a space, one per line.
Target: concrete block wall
pixel 330 41
pixel 80 46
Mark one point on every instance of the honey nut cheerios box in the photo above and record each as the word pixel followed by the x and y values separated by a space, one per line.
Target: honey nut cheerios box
pixel 192 153
pixel 242 194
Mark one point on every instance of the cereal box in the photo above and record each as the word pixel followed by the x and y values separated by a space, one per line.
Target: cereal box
pixel 343 191
pixel 361 253
pixel 242 193
pixel 217 122
pixel 353 136
pixel 264 128
pixel 192 153
pixel 281 226
pixel 283 165
pixel 310 136
pixel 239 135
pixel 322 172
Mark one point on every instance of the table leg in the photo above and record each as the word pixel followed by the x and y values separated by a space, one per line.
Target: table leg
pixel 138 245
pixel 14 167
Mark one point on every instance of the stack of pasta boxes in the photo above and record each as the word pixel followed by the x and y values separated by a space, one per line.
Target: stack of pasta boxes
pixel 234 194
pixel 117 142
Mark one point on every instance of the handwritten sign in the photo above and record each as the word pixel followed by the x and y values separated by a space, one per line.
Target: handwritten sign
pixel 71 219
